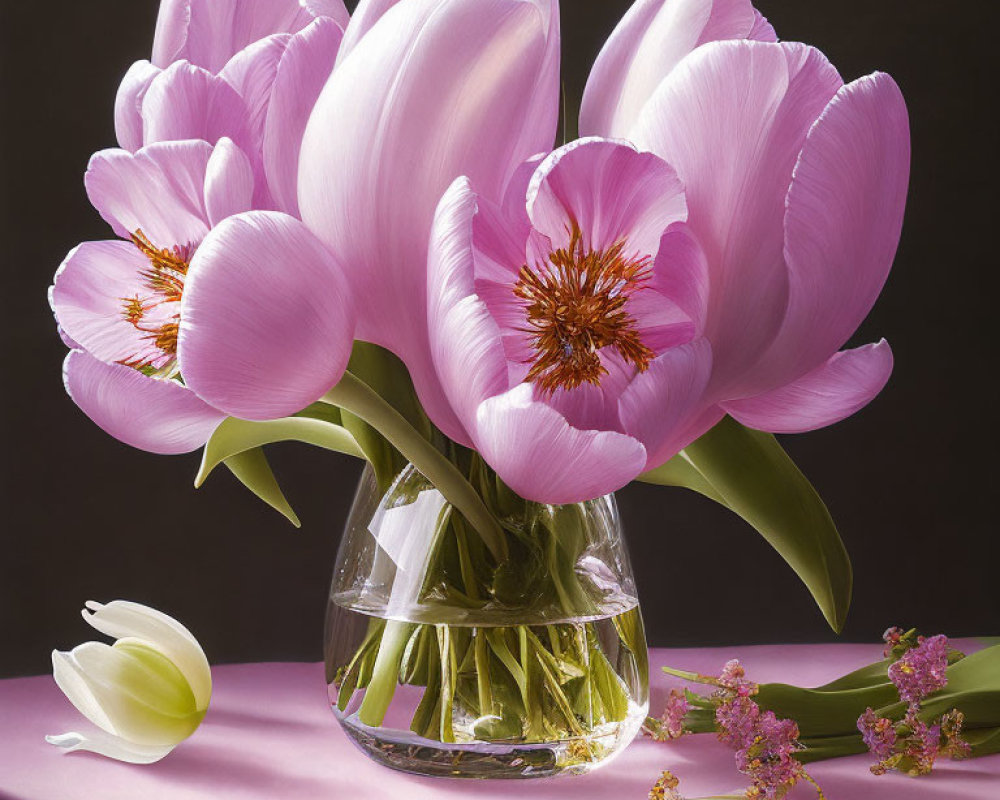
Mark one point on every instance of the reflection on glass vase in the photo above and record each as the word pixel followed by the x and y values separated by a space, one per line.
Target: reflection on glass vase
pixel 442 660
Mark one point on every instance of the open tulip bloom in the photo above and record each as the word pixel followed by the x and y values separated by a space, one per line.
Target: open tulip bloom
pixel 358 232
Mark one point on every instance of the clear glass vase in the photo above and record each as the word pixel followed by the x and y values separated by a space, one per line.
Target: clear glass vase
pixel 443 660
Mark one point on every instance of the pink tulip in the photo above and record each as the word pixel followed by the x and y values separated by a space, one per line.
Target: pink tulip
pixel 793 193
pixel 247 71
pixel 565 322
pixel 201 287
pixel 796 185
pixel 428 90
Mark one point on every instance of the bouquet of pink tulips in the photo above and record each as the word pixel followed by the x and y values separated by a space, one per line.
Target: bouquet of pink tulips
pixel 358 231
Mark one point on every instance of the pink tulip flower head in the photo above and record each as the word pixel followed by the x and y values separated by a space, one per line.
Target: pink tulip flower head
pixel 203 308
pixel 796 185
pixel 559 315
pixel 249 71
pixel 423 91
pixel 713 263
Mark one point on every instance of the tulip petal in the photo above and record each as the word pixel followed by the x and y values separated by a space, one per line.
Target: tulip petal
pixel 374 163
pixel 110 746
pixel 499 244
pixel 545 101
pixel 362 20
pixel 159 416
pixel 845 214
pixel 88 295
pixel 650 40
pixel 170 35
pixel 121 619
pixel 187 102
pixel 209 32
pixel 660 322
pixel 661 405
pixel 305 66
pixel 681 273
pixel 128 104
pixel 229 182
pixel 464 338
pixel 77 689
pixel 110 677
pixel 845 384
pixel 251 73
pixel 732 119
pixel 611 191
pixel 590 407
pixel 143 675
pixel 515 198
pixel 158 190
pixel 66 338
pixel 266 321
pixel 334 9
pixel 543 458
pixel 762 30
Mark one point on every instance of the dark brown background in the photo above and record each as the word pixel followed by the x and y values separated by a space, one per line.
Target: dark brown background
pixel 910 480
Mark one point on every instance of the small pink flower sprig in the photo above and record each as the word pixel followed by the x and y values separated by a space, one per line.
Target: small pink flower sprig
pixel 911 746
pixel 923 701
pixel 669 725
pixel 765 745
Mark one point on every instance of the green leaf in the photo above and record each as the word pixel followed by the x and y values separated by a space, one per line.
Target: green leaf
pixel 750 473
pixel 235 436
pixel 254 472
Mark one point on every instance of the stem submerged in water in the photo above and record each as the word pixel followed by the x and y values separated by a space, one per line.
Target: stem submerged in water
pixel 385 673
pixel 542 650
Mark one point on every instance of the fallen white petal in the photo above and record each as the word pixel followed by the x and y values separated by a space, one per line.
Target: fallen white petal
pixel 111 746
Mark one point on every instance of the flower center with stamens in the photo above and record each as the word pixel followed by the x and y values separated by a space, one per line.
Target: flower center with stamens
pixel 575 306
pixel 156 314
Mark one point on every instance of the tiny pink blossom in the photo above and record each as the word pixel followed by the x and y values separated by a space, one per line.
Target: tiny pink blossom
pixel 670 725
pixel 922 746
pixel 921 671
pixel 892 638
pixel 733 678
pixel 951 729
pixel 878 733
pixel 769 758
pixel 737 720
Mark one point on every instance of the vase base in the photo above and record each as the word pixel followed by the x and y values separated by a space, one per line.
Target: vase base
pixel 480 760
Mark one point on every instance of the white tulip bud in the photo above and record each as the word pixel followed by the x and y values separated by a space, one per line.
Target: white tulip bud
pixel 147 692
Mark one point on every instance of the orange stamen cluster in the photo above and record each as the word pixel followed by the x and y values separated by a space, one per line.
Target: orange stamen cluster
pixel 164 277
pixel 576 306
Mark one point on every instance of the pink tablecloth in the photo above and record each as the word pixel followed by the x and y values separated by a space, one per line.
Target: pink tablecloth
pixel 269 734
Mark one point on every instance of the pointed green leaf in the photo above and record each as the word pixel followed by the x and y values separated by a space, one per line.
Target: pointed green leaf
pixel 235 436
pixel 750 473
pixel 254 472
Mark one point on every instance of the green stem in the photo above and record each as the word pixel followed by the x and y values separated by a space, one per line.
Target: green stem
pixel 385 673
pixel 355 396
pixel 692 677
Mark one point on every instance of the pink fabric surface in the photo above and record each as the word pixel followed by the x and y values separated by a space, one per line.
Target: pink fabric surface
pixel 269 734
